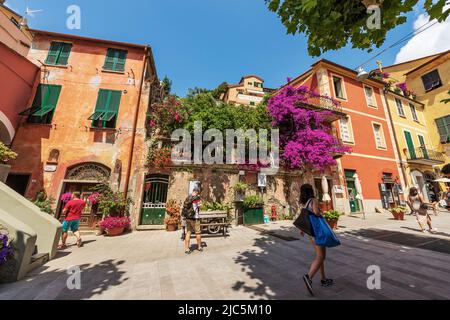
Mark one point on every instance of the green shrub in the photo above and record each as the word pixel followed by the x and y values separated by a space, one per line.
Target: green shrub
pixel 331 215
pixel 254 201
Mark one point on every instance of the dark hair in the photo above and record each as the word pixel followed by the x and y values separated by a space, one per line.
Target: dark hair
pixel 306 193
pixel 76 194
pixel 413 192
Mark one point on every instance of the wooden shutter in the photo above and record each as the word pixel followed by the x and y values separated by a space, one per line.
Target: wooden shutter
pixel 121 60
pixel 109 60
pixel 50 100
pixel 112 109
pixel 65 53
pixel 53 53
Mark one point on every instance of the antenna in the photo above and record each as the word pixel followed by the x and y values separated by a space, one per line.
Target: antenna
pixel 30 13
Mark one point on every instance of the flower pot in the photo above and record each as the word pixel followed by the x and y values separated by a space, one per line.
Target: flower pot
pixel 399 216
pixel 333 223
pixel 115 231
pixel 172 227
pixel 4 171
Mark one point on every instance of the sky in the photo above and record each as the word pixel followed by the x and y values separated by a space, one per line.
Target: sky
pixel 201 43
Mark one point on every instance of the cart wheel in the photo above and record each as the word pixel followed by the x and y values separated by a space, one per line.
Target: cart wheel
pixel 214 229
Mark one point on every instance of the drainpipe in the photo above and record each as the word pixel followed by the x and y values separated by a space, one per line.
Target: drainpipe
pixel 396 142
pixel 136 117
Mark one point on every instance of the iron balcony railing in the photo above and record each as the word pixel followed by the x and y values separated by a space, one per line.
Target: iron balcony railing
pixel 425 154
pixel 322 102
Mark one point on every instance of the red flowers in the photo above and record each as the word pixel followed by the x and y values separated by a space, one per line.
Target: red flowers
pixel 115 222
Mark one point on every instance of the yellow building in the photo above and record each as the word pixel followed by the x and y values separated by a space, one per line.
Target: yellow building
pixel 417 154
pixel 249 91
pixel 429 79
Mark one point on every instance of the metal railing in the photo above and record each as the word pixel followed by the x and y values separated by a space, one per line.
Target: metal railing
pixel 322 102
pixel 425 154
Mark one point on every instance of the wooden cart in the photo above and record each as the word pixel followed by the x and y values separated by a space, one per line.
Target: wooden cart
pixel 214 222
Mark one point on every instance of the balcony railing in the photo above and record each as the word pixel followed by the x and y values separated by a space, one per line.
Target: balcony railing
pixel 426 156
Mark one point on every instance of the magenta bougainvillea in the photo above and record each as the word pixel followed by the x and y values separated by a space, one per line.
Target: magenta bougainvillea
pixel 306 139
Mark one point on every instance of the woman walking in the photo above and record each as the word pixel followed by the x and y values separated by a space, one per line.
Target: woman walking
pixel 322 237
pixel 415 201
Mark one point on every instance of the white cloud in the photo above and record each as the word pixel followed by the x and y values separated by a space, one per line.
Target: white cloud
pixel 431 41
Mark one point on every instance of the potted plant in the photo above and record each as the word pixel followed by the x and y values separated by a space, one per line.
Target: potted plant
pixel 239 191
pixel 66 197
pixel 332 218
pixel 173 211
pixel 45 203
pixel 115 226
pixel 253 210
pixel 5 155
pixel 399 213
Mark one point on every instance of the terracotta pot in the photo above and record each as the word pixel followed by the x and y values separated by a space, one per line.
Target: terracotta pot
pixel 114 232
pixel 333 223
pixel 172 227
pixel 4 171
pixel 399 216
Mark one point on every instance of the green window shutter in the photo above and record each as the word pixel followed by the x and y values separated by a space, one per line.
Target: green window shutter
pixel 53 53
pixel 112 110
pixel 109 60
pixel 53 96
pixel 49 100
pixel 121 60
pixel 66 48
pixel 38 98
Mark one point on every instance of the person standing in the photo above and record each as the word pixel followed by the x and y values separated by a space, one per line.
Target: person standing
pixel 322 230
pixel 191 213
pixel 416 202
pixel 73 211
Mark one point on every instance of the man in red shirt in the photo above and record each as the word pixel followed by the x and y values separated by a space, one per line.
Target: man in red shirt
pixel 73 211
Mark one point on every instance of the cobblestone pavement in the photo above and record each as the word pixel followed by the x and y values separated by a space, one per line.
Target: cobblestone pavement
pixel 261 263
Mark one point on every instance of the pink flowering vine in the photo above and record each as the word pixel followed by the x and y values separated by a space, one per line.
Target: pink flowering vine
pixel 306 139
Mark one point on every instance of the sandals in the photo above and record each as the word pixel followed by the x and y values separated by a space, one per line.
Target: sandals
pixel 327 283
pixel 308 283
pixel 62 247
pixel 188 251
pixel 79 243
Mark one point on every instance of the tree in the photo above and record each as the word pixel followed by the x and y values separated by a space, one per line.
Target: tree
pixel 222 88
pixel 332 24
pixel 167 83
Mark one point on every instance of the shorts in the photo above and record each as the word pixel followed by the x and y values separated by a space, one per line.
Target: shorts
pixel 193 225
pixel 72 225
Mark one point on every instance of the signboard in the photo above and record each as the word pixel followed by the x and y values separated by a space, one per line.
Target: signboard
pixel 262 180
pixel 50 168
pixel 192 185
pixel 338 189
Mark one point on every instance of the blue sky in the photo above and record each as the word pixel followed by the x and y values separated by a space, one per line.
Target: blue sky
pixel 201 42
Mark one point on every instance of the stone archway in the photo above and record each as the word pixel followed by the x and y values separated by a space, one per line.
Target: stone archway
pixel 95 172
pixel 6 129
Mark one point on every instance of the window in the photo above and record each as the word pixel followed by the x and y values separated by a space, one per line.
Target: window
pixel 44 104
pixel 370 98
pixel 58 54
pixel 16 23
pixel 345 128
pixel 443 125
pixel 338 87
pixel 431 80
pixel 414 112
pixel 379 136
pixel 258 85
pixel 252 103
pixel 115 60
pixel 400 110
pixel 106 110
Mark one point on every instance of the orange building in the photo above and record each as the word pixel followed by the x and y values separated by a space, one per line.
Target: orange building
pixel 366 128
pixel 249 91
pixel 86 122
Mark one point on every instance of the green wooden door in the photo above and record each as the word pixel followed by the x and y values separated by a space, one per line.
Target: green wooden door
pixel 423 146
pixel 352 193
pixel 155 198
pixel 253 216
pixel 410 144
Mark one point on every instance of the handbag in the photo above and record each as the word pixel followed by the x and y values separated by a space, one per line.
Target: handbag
pixel 325 237
pixel 303 222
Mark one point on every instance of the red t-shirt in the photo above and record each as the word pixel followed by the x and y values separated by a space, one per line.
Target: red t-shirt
pixel 74 209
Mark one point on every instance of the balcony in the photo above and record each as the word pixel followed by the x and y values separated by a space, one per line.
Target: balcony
pixel 425 156
pixel 320 103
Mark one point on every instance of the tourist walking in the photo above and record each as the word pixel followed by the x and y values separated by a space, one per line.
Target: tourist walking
pixel 321 236
pixel 420 209
pixel 191 213
pixel 73 211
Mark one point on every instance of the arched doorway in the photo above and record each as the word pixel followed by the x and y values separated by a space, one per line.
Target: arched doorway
pixel 155 197
pixel 82 178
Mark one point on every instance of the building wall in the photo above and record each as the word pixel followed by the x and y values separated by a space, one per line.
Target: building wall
pixel 434 107
pixel 70 132
pixel 17 39
pixel 232 95
pixel 369 161
pixel 17 82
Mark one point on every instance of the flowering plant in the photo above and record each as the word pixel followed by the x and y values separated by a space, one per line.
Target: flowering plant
pixel 93 198
pixel 5 248
pixel 6 154
pixel 115 222
pixel 306 138
pixel 167 115
pixel 159 158
pixel 173 210
pixel 402 86
pixel 66 197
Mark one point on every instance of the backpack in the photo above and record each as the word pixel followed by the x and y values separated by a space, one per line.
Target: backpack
pixel 188 208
